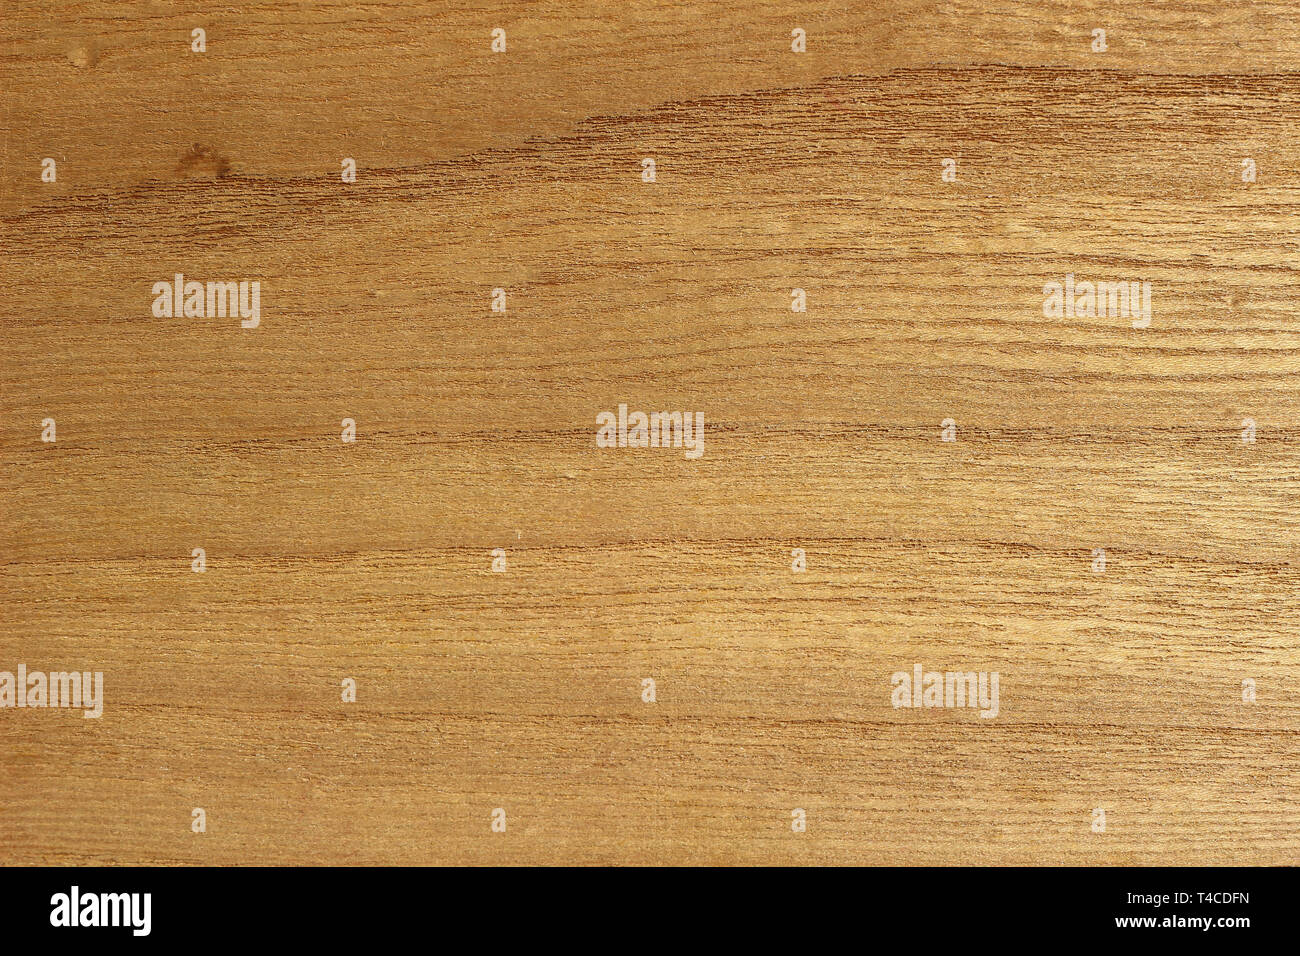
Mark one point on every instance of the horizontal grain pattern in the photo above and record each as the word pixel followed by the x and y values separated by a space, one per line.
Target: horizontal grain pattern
pixel 476 431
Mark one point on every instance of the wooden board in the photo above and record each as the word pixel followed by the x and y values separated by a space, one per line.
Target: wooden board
pixel 1120 690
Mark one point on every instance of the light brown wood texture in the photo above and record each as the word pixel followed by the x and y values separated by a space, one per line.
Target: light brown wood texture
pixel 476 430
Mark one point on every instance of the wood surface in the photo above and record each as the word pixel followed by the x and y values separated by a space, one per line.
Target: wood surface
pixel 522 690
